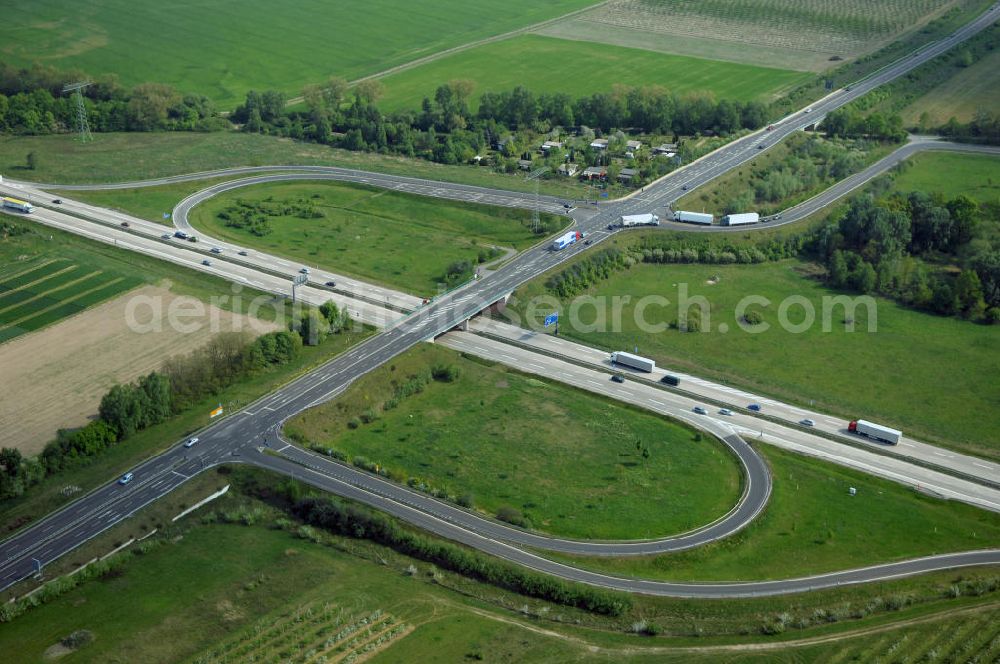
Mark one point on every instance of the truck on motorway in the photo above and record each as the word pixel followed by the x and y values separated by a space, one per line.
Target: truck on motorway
pixel 564 241
pixel 20 206
pixel 639 220
pixel 876 431
pixel 633 361
pixel 693 217
pixel 740 219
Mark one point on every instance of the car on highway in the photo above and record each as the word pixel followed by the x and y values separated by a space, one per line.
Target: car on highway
pixel 700 410
pixel 191 442
pixel 755 407
pixel 586 243
pixel 215 250
pixel 618 378
pixel 567 205
pixel 124 224
pixel 180 235
pixel 304 270
pixel 807 422
pixel 192 238
pixel 725 411
pixel 242 252
pixel 57 201
pixel 809 110
pixel 126 478
pixel 331 284
pixel 206 262
pixel 166 236
pixel 761 146
pixel 684 187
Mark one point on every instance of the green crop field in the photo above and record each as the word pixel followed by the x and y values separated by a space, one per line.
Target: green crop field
pixel 547 65
pixel 965 93
pixel 897 375
pixel 806 35
pixel 952 174
pixel 402 240
pixel 813 525
pixel 223 49
pixel 37 293
pixel 568 460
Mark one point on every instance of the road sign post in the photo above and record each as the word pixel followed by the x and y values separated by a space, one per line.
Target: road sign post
pixel 298 281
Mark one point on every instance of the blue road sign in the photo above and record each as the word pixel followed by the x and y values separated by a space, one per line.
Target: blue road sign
pixel 604 194
pixel 166 215
pixel 551 319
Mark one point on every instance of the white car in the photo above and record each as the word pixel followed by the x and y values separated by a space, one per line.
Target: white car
pixel 807 422
pixel 304 270
pixel 725 411
pixel 809 110
pixel 700 410
pixel 191 442
pixel 216 250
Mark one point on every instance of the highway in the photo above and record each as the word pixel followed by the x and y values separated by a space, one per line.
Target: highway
pixel 238 437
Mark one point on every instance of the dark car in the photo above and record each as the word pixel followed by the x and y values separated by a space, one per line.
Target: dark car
pixel 761 146
pixel 587 242
pixel 755 407
pixel 685 187
pixel 331 284
pixel 670 380
pixel 567 205
pixel 242 252
pixel 57 201
pixel 124 224
pixel 618 378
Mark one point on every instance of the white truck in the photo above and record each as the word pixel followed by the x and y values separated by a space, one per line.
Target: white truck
pixel 876 431
pixel 694 217
pixel 15 204
pixel 639 220
pixel 564 241
pixel 633 361
pixel 740 219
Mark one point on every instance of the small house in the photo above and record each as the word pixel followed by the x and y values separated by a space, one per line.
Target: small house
pixel 568 170
pixel 592 172
pixel 599 144
pixel 548 146
pixel 627 174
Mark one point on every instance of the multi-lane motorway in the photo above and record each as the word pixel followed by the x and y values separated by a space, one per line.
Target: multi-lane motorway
pixel 239 437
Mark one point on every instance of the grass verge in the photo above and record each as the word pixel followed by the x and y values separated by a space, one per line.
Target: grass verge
pixel 539 453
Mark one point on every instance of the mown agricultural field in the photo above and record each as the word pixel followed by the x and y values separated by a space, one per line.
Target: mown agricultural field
pixel 41 292
pixel 398 239
pixel 924 373
pixel 790 34
pixel 569 462
pixel 221 50
pixel 546 65
pixel 813 525
pixel 966 92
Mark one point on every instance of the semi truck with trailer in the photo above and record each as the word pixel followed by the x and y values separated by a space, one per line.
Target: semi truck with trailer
pixel 740 219
pixel 20 206
pixel 633 361
pixel 564 241
pixel 694 217
pixel 639 220
pixel 876 431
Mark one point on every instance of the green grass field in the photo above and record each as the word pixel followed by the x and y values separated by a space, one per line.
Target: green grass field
pixel 960 96
pixel 952 174
pixel 897 375
pixel 218 49
pixel 812 526
pixel 401 240
pixel 544 64
pixel 62 160
pixel 261 591
pixel 567 460
pixel 37 293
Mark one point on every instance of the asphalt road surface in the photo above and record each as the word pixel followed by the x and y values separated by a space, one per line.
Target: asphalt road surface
pixel 242 434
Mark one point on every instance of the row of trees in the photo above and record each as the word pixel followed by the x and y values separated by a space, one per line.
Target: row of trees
pixel 32 102
pixel 849 122
pixel 447 131
pixel 889 247
pixel 129 408
pixel 342 518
